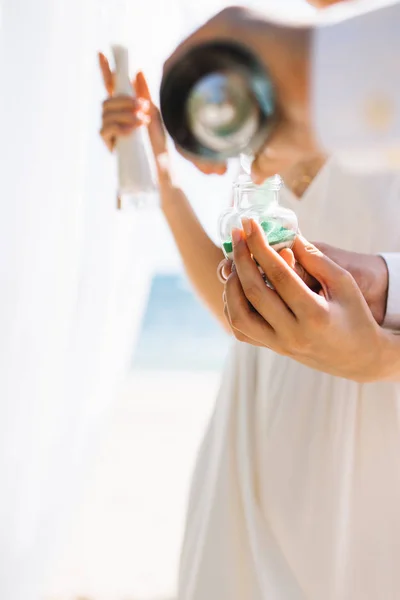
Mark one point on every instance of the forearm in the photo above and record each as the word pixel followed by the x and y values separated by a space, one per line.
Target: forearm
pixel 200 255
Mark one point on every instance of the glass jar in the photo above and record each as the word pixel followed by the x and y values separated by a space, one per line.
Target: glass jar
pixel 261 203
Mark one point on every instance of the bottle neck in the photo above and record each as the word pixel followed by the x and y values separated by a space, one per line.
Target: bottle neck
pixel 247 194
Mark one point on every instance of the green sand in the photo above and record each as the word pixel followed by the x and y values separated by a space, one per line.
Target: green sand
pixel 276 234
pixel 228 246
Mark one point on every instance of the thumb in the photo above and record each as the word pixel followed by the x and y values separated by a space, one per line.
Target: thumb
pixel 288 257
pixel 158 138
pixel 334 280
pixel 142 87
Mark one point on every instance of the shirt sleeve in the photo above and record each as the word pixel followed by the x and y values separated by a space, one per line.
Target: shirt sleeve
pixel 392 318
pixel 355 92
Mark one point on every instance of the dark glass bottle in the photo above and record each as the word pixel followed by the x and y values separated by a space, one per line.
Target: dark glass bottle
pixel 217 101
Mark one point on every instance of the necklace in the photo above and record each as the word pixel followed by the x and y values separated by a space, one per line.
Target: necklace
pixel 299 177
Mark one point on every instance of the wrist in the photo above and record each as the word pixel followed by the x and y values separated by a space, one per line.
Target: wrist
pixel 170 194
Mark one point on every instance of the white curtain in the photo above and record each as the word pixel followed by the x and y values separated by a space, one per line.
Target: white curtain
pixel 74 272
pixel 73 279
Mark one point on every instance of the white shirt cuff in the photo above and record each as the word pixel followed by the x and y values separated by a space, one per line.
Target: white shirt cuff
pixel 356 83
pixel 392 318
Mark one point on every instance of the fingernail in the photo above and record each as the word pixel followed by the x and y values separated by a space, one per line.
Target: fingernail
pixel 236 236
pixel 247 226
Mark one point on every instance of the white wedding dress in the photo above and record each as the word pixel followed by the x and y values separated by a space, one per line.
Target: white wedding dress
pixel 296 492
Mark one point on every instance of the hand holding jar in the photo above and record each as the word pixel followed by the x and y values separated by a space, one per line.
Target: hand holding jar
pixel 260 203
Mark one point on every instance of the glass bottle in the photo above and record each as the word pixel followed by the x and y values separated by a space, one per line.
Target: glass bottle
pixel 218 101
pixel 261 203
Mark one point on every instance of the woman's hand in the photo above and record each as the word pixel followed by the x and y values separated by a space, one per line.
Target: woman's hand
pixel 123 114
pixel 369 271
pixel 332 331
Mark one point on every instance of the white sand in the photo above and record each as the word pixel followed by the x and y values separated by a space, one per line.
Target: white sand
pixel 125 542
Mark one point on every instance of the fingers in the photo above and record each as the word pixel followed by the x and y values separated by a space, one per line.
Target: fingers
pixel 241 337
pixel 142 88
pixel 238 334
pixel 125 104
pixel 158 138
pixel 335 280
pixel 246 324
pixel 293 291
pixel 110 134
pixel 226 267
pixel 121 115
pixel 288 257
pixel 309 280
pixel 261 297
pixel 108 78
pixel 110 131
pixel 157 134
pixel 122 118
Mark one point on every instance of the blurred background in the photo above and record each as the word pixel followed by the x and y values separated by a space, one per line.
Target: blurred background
pixel 106 357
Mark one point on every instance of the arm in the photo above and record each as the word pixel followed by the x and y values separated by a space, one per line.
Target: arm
pixel 199 254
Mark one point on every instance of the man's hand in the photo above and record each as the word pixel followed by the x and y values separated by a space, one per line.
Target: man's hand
pixel 285 52
pixel 332 331
pixel 369 272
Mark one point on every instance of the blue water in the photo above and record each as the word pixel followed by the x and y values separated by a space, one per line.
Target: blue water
pixel 177 332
